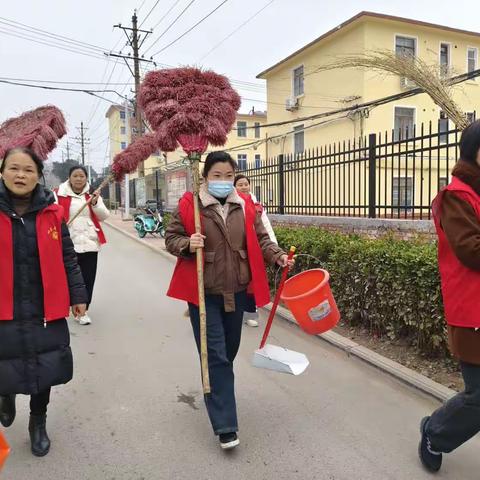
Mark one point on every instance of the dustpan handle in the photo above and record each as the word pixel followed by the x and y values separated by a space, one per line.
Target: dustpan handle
pixel 277 299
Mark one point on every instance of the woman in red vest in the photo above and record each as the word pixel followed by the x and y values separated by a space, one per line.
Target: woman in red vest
pixel 235 245
pixel 39 280
pixel 86 231
pixel 456 213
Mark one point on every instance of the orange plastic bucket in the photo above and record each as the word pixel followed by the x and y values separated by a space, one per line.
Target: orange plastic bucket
pixel 309 297
pixel 4 450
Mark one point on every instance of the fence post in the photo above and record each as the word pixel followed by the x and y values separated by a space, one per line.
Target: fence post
pixel 372 175
pixel 281 185
pixel 156 191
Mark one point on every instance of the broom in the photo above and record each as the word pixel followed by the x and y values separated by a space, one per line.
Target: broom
pixel 190 108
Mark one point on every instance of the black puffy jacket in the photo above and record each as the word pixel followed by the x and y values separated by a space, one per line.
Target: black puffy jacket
pixel 34 356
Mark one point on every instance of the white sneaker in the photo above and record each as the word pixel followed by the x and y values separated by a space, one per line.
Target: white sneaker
pixel 251 322
pixel 85 320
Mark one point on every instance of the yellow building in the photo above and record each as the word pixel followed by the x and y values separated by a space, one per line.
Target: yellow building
pixel 120 138
pixel 296 89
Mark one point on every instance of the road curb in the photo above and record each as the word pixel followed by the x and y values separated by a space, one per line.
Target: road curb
pixel 395 369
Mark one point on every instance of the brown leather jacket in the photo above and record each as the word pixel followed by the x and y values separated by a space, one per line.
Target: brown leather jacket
pixel 227 270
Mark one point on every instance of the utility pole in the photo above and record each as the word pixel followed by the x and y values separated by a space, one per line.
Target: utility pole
pixel 135 39
pixel 68 151
pixel 82 141
pixel 127 176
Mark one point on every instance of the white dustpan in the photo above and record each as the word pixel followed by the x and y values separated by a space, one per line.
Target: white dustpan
pixel 280 359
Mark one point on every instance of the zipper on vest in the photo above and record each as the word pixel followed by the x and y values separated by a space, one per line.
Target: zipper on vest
pixel 44 323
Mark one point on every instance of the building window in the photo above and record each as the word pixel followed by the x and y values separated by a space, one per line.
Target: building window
pixel 471 117
pixel 403 123
pixel 258 160
pixel 123 130
pixel 402 192
pixel 258 193
pixel 123 145
pixel 257 130
pixel 122 114
pixel 444 58
pixel 298 89
pixel 443 128
pixel 242 161
pixel 298 140
pixel 241 129
pixel 405 46
pixel 472 59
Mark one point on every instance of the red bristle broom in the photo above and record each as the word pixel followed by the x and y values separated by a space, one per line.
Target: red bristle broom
pixel 39 129
pixel 190 108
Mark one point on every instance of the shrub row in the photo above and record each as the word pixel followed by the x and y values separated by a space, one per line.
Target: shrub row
pixel 389 286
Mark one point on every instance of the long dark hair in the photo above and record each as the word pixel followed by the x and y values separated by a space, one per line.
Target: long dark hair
pixel 27 151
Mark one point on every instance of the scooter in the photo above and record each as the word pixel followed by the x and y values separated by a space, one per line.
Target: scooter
pixel 149 222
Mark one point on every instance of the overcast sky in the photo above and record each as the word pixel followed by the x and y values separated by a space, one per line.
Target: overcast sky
pixel 281 28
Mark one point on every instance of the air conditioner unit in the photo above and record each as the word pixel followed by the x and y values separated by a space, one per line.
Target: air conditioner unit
pixel 291 104
pixel 407 83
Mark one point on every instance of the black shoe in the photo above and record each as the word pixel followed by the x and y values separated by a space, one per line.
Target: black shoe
pixel 38 435
pixel 430 459
pixel 229 440
pixel 7 409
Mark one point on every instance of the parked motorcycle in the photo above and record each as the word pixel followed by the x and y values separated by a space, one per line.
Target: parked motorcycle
pixel 151 221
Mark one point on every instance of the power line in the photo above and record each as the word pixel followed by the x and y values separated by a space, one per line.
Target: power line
pixel 171 25
pixel 373 103
pixel 236 30
pixel 166 14
pixel 50 44
pixel 140 7
pixel 40 32
pixel 58 82
pixel 192 27
pixel 149 13
pixel 46 87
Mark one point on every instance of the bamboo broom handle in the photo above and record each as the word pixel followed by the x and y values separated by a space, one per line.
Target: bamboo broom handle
pixel 89 201
pixel 201 286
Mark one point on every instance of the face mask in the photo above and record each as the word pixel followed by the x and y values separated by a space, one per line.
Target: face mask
pixel 220 188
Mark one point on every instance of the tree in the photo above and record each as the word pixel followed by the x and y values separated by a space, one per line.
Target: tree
pixel 61 169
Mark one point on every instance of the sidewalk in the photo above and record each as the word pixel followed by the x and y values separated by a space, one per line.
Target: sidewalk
pixel 400 372
pixel 154 242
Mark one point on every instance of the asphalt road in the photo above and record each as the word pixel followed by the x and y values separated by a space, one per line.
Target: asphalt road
pixel 135 411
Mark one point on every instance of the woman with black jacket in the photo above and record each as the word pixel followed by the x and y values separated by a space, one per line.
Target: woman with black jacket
pixel 40 279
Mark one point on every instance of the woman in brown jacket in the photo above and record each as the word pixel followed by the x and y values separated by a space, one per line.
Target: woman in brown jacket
pixel 457 219
pixel 233 248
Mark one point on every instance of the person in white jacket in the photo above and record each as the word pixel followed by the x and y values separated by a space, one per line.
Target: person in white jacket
pixel 86 232
pixel 242 184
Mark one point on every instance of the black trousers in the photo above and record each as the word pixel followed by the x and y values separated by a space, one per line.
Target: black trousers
pixel 88 265
pixel 39 402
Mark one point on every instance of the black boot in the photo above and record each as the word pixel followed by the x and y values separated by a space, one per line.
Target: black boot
pixel 38 435
pixel 7 409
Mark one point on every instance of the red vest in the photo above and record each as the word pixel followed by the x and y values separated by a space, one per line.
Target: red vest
pixel 66 202
pixel 460 284
pixel 56 294
pixel 184 281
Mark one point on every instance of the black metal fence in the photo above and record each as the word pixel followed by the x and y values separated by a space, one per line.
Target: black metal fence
pixel 391 175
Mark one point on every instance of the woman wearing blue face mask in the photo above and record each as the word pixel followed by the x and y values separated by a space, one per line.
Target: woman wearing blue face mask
pixel 235 245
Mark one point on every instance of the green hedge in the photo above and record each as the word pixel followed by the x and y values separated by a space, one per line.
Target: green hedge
pixel 389 286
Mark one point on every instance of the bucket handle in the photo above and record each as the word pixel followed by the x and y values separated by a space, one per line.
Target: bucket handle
pixel 296 256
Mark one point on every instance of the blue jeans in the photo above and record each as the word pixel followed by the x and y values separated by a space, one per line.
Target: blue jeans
pixel 458 419
pixel 224 331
